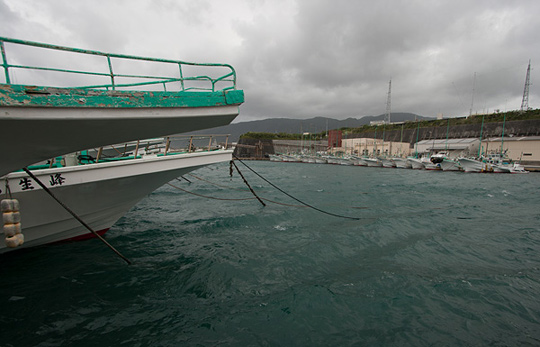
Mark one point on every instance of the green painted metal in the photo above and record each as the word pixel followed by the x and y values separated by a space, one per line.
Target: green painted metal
pixel 114 94
pixel 4 61
pixel 18 95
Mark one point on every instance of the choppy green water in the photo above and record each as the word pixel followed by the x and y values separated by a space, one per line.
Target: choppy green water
pixel 439 258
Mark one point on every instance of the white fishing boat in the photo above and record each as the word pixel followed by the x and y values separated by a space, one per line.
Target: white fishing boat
pixel 358 161
pixel 41 122
pixel 387 162
pixel 445 163
pixel 416 163
pixel 473 165
pixel 99 193
pixel 518 169
pixel 373 162
pixel 402 163
pixel 429 165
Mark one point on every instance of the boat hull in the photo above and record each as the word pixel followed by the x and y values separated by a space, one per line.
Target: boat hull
pixel 416 163
pixel 99 193
pixel 450 165
pixel 471 165
pixel 402 163
pixel 49 132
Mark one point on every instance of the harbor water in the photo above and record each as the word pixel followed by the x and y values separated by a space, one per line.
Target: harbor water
pixel 435 258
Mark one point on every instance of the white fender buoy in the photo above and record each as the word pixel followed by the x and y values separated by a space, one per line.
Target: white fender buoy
pixel 12 223
pixel 10 205
pixel 12 229
pixel 11 217
pixel 15 241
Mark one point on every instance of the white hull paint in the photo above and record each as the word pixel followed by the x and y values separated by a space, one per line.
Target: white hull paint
pixel 471 165
pixel 402 163
pixel 99 193
pixel 387 162
pixel 450 165
pixel 32 134
pixel 371 162
pixel 416 163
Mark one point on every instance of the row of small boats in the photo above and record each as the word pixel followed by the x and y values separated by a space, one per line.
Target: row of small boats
pixel 441 162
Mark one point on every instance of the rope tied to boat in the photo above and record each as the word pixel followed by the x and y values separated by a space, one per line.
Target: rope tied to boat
pixel 292 197
pixel 48 191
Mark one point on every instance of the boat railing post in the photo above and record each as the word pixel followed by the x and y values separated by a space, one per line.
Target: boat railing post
pixel 167 145
pixel 181 77
pixel 111 71
pixel 136 150
pixel 190 144
pixel 100 151
pixel 5 63
pixel 210 142
pixel 226 141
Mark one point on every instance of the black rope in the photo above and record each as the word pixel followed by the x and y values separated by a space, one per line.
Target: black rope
pixel 247 184
pixel 74 215
pixel 229 199
pixel 292 197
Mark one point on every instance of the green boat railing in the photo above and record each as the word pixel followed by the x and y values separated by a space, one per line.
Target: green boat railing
pixel 209 83
pixel 167 146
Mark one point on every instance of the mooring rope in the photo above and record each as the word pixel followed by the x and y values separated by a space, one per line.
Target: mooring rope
pixel 75 215
pixel 292 197
pixel 230 199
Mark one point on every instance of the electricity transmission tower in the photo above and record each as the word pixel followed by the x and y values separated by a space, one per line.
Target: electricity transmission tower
pixel 388 102
pixel 525 100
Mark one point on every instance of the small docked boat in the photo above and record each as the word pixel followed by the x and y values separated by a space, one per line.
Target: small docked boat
pixel 473 165
pixel 103 107
pixel 416 163
pixel 402 163
pixel 40 123
pixel 99 191
pixel 429 165
pixel 387 162
pixel 445 163
pixel 373 162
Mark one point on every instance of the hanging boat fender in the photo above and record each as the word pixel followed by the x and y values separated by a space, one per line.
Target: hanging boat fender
pixel 12 223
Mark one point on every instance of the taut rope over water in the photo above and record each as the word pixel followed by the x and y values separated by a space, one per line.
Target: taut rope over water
pixel 246 182
pixel 75 215
pixel 290 196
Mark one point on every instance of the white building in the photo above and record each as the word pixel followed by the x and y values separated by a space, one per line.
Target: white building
pixel 467 147
pixel 369 146
pixel 526 149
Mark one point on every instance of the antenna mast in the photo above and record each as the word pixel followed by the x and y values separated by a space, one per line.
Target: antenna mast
pixel 525 101
pixel 388 101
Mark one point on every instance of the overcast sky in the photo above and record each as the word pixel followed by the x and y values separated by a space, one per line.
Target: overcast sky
pixel 307 58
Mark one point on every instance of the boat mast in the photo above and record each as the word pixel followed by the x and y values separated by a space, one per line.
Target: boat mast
pixel 481 129
pixel 502 136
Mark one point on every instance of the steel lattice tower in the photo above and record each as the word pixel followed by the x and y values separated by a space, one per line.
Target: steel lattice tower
pixel 525 101
pixel 388 102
